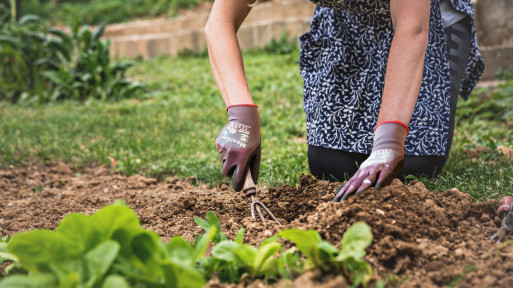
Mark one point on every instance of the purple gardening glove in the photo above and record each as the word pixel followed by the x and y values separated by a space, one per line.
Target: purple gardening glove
pixel 505 213
pixel 239 144
pixel 384 163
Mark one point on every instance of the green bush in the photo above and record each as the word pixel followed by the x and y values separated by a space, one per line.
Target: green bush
pixel 22 50
pixel 283 45
pixel 4 14
pixel 503 97
pixel 85 70
pixel 42 64
pixel 104 11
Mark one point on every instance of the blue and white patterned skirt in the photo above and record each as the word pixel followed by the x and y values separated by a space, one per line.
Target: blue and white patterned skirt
pixel 343 62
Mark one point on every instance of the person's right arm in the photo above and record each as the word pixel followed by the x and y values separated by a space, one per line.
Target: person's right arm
pixel 224 51
pixel 239 142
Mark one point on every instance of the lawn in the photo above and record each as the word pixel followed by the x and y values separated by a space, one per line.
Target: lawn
pixel 171 130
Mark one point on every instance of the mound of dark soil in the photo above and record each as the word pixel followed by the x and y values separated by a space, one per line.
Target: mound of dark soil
pixel 423 238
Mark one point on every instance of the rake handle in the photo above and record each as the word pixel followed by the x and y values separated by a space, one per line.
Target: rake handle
pixel 249 187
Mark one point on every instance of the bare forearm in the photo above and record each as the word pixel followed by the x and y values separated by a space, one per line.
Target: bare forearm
pixel 224 51
pixel 406 60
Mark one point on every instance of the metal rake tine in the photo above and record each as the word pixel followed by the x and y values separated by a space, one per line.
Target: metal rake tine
pixel 255 207
pixel 259 213
pixel 255 203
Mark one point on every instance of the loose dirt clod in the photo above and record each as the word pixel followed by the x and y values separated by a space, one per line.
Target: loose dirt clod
pixel 424 238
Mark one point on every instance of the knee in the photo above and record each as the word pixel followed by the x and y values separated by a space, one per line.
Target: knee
pixel 423 166
pixel 333 165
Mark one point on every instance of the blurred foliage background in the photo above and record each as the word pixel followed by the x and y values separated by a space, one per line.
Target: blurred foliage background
pixel 41 63
pixel 94 12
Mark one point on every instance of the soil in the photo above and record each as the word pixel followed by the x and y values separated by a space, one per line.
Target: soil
pixel 421 238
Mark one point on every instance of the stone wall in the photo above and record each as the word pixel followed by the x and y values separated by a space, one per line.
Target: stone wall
pixel 495 34
pixel 267 20
pixel 149 38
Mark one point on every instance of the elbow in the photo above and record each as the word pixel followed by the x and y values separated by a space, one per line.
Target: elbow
pixel 213 29
pixel 207 30
pixel 417 35
pixel 210 28
pixel 421 35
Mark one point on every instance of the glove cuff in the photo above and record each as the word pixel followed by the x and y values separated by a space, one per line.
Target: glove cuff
pixel 236 105
pixel 395 122
pixel 391 136
pixel 246 115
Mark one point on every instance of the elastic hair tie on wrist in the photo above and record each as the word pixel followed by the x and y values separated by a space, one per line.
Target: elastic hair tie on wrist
pixel 395 122
pixel 250 105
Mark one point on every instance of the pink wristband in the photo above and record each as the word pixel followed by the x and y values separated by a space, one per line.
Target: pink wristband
pixel 250 105
pixel 395 122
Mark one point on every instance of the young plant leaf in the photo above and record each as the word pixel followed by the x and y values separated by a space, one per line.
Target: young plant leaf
pixel 271 239
pixel 200 247
pixel 226 251
pixel 69 273
pixel 41 247
pixel 327 250
pixel 239 238
pixel 70 280
pixel 181 276
pixel 264 257
pixel 355 240
pixel 32 281
pixel 115 281
pixel 145 247
pixel 305 240
pixel 99 260
pixel 7 256
pixel 212 221
pixel 116 217
pixel 79 229
pixel 290 263
pixel 240 254
pixel 145 253
pixel 180 250
pixel 309 243
pixel 202 223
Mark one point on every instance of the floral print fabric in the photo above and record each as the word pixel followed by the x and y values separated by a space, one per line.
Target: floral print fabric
pixel 343 63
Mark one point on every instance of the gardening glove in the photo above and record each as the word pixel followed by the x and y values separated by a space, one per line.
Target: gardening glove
pixel 505 212
pixel 384 163
pixel 239 144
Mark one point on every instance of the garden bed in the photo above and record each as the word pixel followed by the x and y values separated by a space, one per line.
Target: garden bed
pixel 421 238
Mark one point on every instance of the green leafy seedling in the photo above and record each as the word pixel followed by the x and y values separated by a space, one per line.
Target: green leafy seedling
pixel 290 264
pixel 115 281
pixel 247 259
pixel 183 257
pixel 319 253
pixel 354 242
pixel 105 249
pixel 322 255
pixel 212 221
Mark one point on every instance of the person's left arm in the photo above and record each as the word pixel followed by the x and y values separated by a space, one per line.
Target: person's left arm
pixel 402 84
pixel 406 59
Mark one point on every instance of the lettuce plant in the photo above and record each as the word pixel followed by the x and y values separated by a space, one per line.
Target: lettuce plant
pixel 233 260
pixel 322 255
pixel 106 249
pixel 111 249
pixel 247 259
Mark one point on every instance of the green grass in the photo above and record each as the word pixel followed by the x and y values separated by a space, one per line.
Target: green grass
pixel 94 12
pixel 474 165
pixel 173 130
